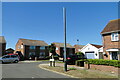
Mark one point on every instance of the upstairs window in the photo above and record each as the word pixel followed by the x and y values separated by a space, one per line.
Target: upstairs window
pixel 114 37
pixel 56 48
pixel 32 47
pixel 42 47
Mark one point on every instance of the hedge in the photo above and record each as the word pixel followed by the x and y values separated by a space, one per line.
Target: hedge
pixel 115 63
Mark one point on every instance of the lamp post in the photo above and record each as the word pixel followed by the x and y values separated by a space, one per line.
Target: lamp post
pixel 64 21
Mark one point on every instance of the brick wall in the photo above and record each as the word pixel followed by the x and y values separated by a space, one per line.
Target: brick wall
pixel 103 68
pixel 2 49
pixel 108 44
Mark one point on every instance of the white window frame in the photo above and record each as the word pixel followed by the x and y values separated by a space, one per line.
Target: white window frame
pixel 56 48
pixel 114 37
pixel 21 46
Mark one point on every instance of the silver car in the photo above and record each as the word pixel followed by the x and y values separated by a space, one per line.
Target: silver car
pixel 9 58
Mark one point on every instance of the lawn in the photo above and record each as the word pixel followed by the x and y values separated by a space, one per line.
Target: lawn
pixel 81 73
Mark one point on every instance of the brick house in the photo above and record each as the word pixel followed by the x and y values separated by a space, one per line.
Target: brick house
pixel 60 49
pixel 78 48
pixel 2 45
pixel 9 50
pixel 111 40
pixel 31 48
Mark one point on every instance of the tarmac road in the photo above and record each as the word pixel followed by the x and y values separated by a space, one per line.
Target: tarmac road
pixel 29 70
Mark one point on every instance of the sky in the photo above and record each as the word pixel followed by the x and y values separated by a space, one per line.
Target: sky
pixel 44 21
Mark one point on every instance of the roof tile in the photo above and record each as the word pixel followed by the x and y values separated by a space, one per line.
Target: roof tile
pixel 113 25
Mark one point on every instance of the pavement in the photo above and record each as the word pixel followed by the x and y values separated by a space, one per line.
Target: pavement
pixel 28 70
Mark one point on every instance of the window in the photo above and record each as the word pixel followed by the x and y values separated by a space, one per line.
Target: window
pixel 56 48
pixel 32 47
pixel 78 49
pixel 6 56
pixel 114 37
pixel 42 54
pixel 13 56
pixel 21 46
pixel 32 54
pixel 114 56
pixel 42 47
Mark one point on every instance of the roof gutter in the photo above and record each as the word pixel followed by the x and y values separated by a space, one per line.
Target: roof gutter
pixel 110 32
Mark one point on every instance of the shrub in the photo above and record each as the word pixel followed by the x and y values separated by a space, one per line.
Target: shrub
pixel 72 68
pixel 80 55
pixel 115 63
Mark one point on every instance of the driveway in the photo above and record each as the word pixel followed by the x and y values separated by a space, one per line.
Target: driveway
pixel 28 70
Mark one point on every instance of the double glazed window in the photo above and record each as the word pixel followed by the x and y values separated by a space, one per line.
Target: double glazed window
pixel 114 37
pixel 32 47
pixel 42 47
pixel 42 54
pixel 32 54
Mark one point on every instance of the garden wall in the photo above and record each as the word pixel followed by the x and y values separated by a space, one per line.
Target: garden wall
pixel 104 68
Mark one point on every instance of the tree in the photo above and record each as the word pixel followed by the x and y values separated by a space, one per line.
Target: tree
pixel 80 54
pixel 52 49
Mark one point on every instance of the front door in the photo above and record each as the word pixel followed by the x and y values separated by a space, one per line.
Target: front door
pixel 100 55
pixel 114 56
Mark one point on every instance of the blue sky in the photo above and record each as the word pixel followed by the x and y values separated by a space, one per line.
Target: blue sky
pixel 44 21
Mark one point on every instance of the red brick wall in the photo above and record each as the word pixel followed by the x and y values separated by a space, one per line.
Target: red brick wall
pixel 76 48
pixel 108 44
pixel 2 49
pixel 19 44
pixel 103 68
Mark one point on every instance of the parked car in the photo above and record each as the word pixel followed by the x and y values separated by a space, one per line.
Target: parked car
pixel 14 54
pixel 9 59
pixel 72 58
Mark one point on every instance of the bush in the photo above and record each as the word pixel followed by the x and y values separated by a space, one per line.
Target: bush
pixel 80 62
pixel 115 63
pixel 72 68
pixel 80 55
pixel 56 57
pixel 47 57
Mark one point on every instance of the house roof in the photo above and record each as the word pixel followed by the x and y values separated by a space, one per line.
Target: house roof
pixel 97 46
pixel 79 46
pixel 33 42
pixel 62 45
pixel 2 39
pixel 112 26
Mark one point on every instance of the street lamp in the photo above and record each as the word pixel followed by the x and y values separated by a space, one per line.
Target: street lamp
pixel 64 21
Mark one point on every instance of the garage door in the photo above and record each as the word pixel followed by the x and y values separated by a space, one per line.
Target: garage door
pixel 90 55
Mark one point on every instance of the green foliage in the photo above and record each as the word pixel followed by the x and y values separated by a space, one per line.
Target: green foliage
pixel 72 68
pixel 80 54
pixel 52 49
pixel 115 63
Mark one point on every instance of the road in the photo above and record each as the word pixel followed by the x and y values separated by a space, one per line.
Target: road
pixel 28 70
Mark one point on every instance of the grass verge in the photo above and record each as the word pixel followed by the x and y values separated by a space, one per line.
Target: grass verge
pixel 80 73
